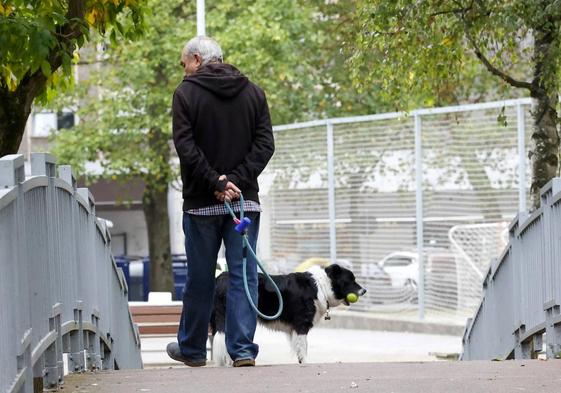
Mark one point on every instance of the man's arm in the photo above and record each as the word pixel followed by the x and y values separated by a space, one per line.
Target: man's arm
pixel 189 153
pixel 262 150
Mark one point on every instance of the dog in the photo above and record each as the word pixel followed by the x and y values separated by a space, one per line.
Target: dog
pixel 307 298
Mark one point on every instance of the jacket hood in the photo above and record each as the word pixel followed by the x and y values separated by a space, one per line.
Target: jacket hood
pixel 223 80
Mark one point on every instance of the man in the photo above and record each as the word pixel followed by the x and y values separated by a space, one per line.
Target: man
pixel 223 136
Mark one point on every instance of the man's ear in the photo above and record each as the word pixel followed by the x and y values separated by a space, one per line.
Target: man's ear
pixel 198 59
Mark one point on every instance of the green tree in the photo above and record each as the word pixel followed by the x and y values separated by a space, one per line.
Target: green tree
pixel 124 109
pixel 37 38
pixel 291 48
pixel 425 46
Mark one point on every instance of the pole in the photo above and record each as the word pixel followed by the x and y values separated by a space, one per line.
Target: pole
pixel 201 28
pixel 331 194
pixel 419 205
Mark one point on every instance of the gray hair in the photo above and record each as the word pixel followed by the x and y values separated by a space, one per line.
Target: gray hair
pixel 206 47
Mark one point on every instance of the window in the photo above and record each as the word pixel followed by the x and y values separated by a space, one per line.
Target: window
pixel 65 120
pixel 44 122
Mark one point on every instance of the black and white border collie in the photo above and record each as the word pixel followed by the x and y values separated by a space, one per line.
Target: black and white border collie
pixel 307 298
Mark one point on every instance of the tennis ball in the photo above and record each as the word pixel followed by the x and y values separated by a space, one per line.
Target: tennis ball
pixel 352 298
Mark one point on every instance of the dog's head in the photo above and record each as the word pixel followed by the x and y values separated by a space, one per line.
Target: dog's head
pixel 343 282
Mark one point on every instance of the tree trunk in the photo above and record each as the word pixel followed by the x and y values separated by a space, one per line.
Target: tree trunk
pixel 15 108
pixel 155 206
pixel 544 148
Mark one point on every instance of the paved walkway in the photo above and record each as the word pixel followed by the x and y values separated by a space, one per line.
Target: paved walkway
pixel 434 377
pixel 329 346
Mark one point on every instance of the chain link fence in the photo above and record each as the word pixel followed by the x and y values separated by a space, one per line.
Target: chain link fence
pixel 415 204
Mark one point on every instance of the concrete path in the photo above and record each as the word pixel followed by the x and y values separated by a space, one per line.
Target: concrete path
pixel 433 377
pixel 329 346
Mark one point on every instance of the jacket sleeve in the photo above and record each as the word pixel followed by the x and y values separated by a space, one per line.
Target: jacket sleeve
pixel 190 155
pixel 262 149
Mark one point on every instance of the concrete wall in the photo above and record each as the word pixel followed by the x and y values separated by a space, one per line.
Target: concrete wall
pixel 131 223
pixel 175 208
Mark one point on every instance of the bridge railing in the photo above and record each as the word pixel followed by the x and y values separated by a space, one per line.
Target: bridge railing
pixel 60 290
pixel 522 289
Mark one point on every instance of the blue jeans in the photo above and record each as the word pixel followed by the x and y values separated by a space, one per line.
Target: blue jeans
pixel 203 238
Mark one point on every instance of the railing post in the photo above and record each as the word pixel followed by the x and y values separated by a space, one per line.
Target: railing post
pixel 24 363
pixel 419 213
pixel 53 354
pixel 331 194
pixel 93 356
pixel 88 197
pixel 43 164
pixel 66 174
pixel 108 359
pixel 12 170
pixel 552 307
pixel 76 358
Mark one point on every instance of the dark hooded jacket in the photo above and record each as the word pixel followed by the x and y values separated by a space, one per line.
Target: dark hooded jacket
pixel 221 126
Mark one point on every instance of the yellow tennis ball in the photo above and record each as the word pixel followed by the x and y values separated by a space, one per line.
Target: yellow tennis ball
pixel 352 298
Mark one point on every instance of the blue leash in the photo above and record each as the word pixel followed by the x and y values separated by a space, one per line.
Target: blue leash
pixel 241 226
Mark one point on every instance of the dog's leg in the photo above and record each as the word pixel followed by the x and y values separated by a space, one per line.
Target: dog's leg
pixel 219 353
pixel 300 346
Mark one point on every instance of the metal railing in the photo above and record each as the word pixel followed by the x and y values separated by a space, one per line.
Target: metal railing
pixel 60 290
pixel 522 289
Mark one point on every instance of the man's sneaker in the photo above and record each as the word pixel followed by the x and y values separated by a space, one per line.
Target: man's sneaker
pixel 175 353
pixel 244 363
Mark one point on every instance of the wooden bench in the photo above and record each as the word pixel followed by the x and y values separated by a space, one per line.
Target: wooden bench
pixel 156 319
pixel 160 320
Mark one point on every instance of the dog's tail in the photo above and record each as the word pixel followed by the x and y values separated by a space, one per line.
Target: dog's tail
pixel 220 355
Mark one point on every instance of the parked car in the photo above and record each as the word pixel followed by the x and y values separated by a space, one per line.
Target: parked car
pixel 402 268
pixel 441 275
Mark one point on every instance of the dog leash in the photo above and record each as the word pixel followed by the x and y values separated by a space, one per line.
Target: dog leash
pixel 241 226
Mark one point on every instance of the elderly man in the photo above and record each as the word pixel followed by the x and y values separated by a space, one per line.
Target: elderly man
pixel 223 136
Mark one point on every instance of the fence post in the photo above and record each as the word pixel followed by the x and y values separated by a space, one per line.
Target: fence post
pixel 331 194
pixel 521 157
pixel 419 214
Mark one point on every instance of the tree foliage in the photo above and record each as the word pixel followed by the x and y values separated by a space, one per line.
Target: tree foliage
pixel 425 46
pixel 293 50
pixel 38 38
pixel 124 128
pixel 41 36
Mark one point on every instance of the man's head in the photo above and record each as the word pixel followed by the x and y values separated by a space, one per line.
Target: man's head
pixel 198 52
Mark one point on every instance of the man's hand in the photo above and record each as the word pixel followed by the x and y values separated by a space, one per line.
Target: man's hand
pixel 231 191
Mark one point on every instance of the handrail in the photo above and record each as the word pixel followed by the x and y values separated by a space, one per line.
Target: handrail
pixel 522 289
pixel 60 289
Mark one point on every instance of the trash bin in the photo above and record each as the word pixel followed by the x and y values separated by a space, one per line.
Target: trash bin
pixel 179 262
pixel 133 269
pixel 137 275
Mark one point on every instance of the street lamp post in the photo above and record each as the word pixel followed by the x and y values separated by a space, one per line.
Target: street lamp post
pixel 201 28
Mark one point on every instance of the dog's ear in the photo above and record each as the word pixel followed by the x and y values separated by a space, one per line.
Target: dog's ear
pixel 333 270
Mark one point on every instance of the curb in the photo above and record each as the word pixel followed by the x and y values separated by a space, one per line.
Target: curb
pixel 364 321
